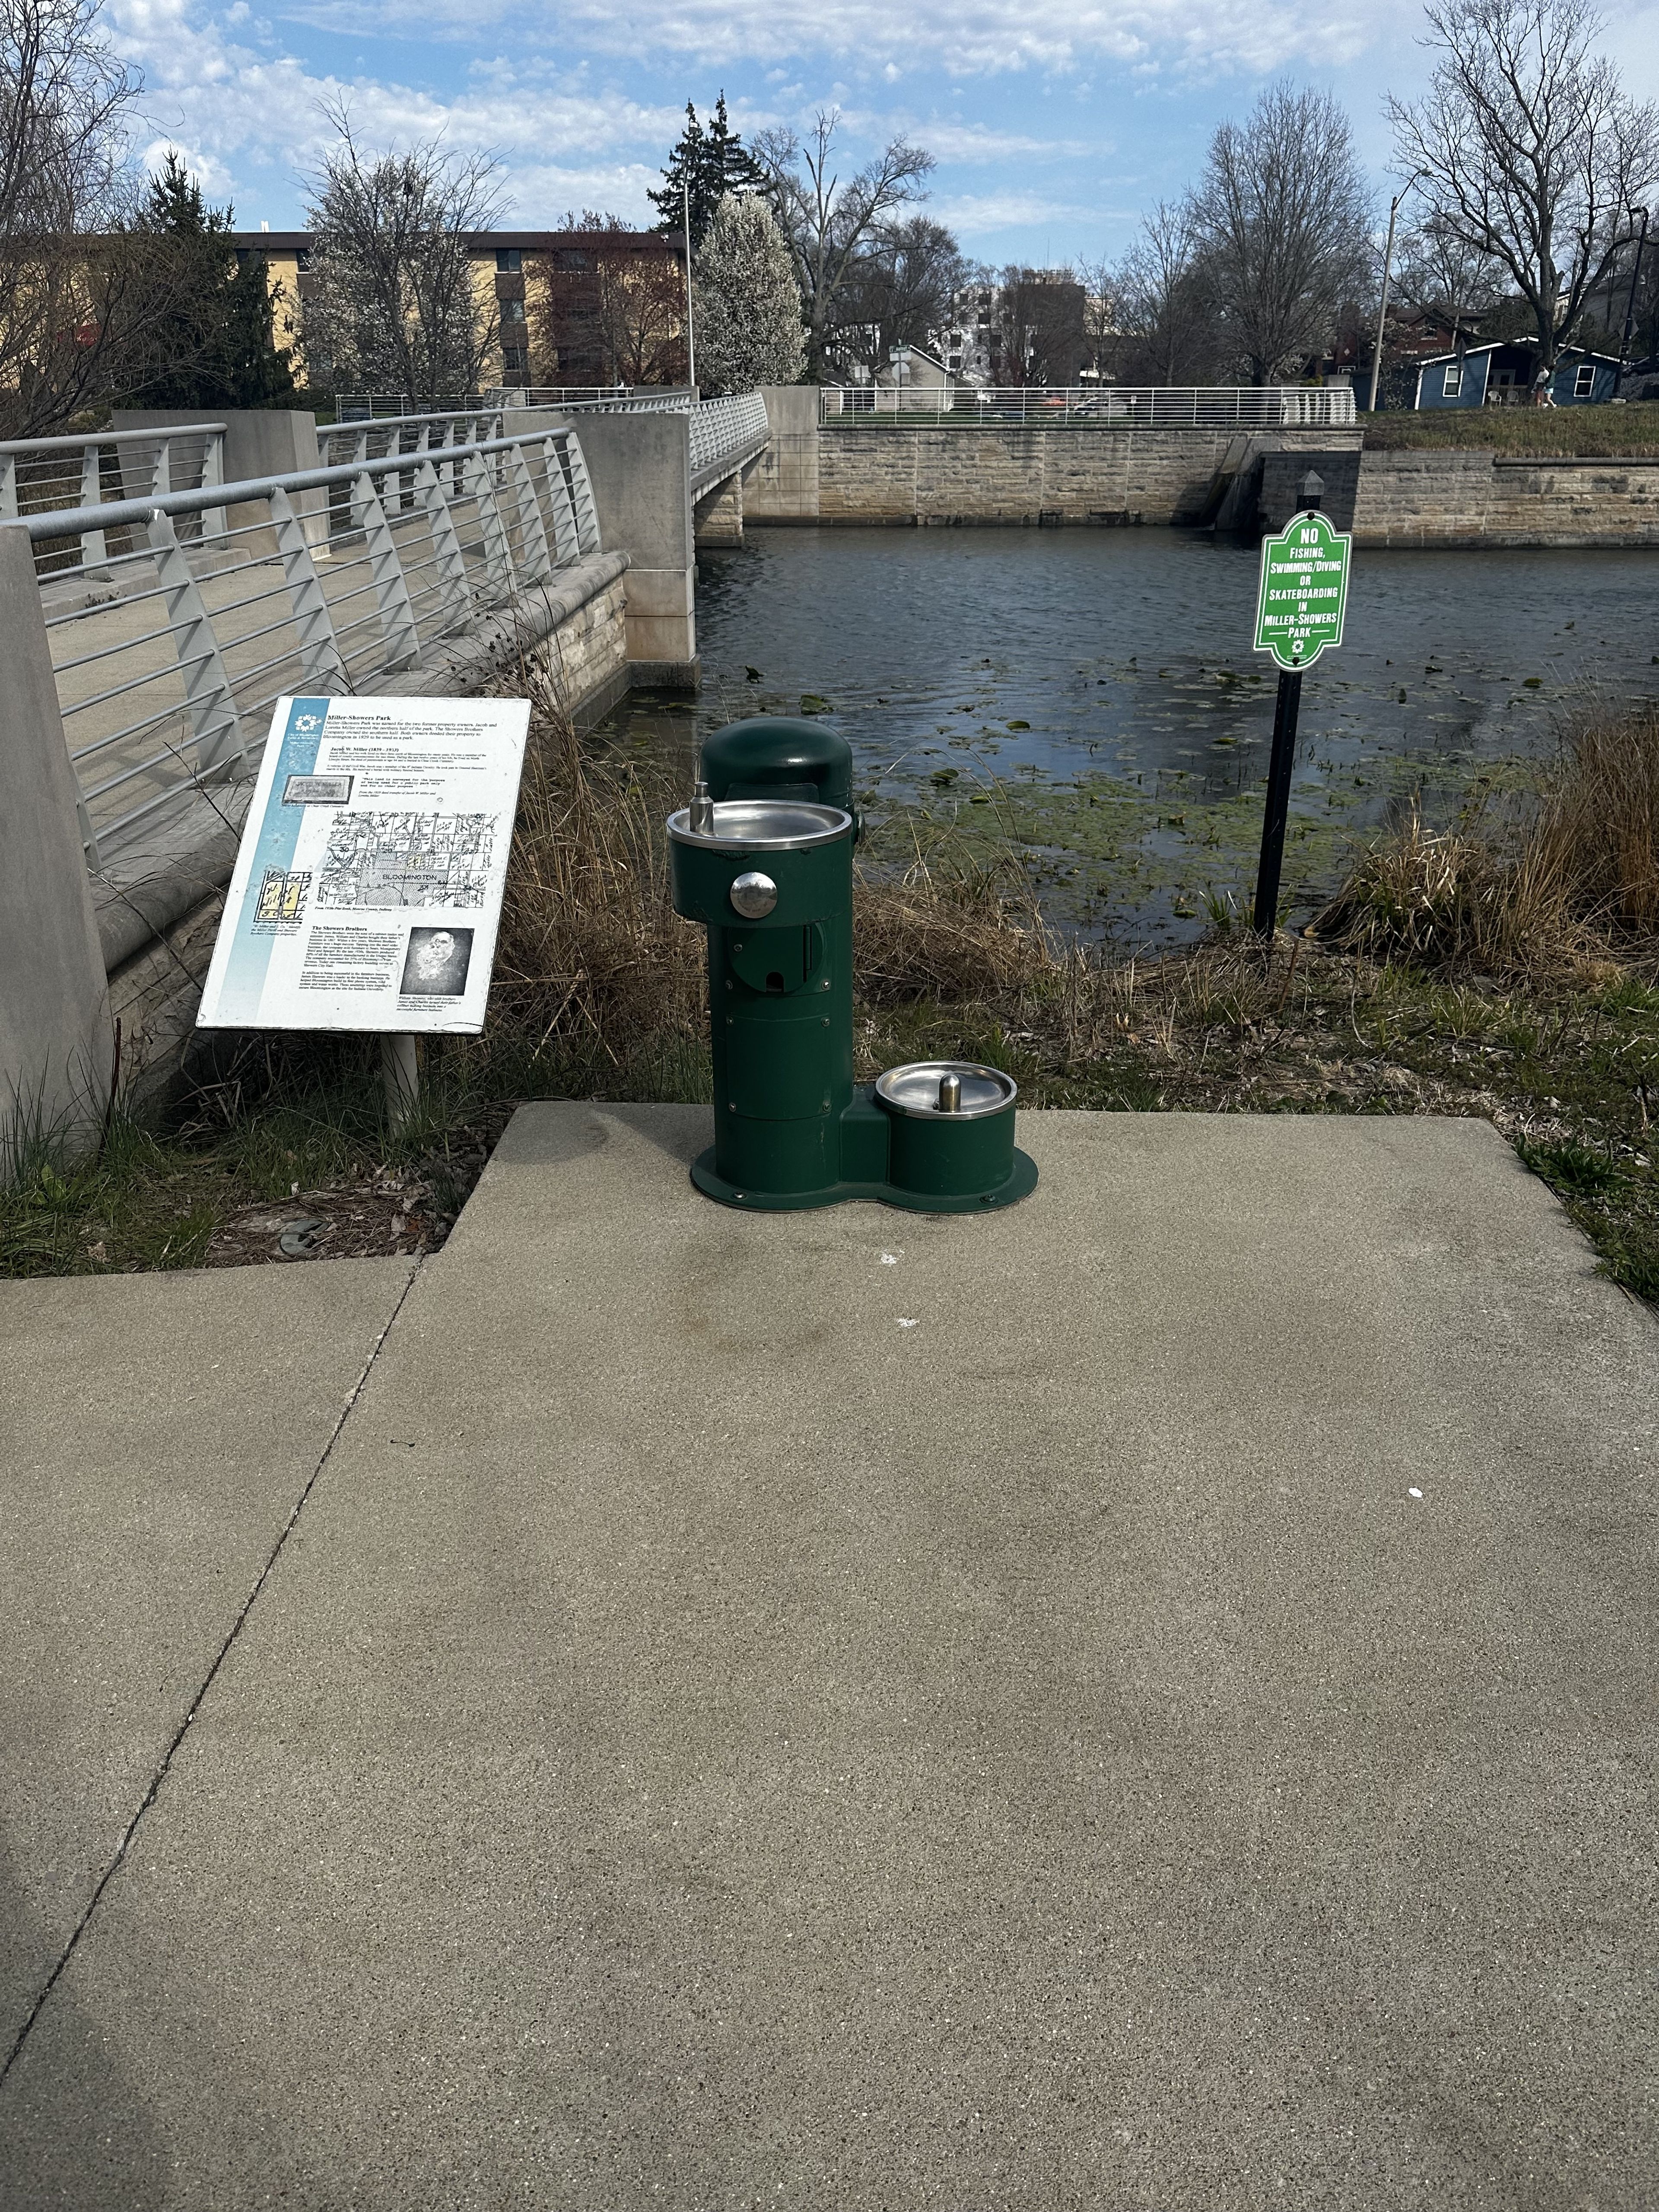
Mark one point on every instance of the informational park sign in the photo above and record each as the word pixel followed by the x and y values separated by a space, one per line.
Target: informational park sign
pixel 369 885
pixel 1304 591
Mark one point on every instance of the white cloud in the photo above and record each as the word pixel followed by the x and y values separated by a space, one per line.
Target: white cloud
pixel 223 99
pixel 981 214
pixel 967 37
pixel 212 176
pixel 977 142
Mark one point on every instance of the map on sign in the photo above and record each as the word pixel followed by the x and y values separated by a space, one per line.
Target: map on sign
pixel 1304 590
pixel 406 860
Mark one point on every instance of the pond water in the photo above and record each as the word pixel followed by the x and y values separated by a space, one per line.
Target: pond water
pixel 1093 694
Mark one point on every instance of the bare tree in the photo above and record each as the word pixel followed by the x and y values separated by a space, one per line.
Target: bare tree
pixel 899 291
pixel 71 283
pixel 1440 274
pixel 392 307
pixel 1529 150
pixel 826 223
pixel 1102 314
pixel 1168 322
pixel 1282 223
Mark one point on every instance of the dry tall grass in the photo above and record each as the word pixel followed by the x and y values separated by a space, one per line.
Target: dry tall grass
pixel 591 960
pixel 598 978
pixel 1570 886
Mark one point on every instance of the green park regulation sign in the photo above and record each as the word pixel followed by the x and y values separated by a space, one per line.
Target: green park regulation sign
pixel 1304 591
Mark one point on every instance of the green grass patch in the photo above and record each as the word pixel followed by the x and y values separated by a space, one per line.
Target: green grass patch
pixel 1579 432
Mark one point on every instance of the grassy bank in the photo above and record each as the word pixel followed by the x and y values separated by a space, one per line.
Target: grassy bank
pixel 1579 431
pixel 1506 970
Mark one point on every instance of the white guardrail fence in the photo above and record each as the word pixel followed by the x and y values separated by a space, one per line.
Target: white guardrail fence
pixel 37 475
pixel 1163 407
pixel 176 618
pixel 731 424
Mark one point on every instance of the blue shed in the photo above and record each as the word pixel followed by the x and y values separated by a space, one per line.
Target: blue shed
pixel 1502 373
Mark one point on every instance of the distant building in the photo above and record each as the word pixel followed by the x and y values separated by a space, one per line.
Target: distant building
pixel 1027 329
pixel 575 307
pixel 1504 373
pixel 916 370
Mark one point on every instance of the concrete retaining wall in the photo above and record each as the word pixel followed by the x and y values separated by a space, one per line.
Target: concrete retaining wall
pixel 639 467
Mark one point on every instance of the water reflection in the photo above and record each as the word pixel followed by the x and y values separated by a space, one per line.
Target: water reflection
pixel 1096 690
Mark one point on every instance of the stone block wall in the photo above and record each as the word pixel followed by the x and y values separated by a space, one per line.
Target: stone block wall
pixel 587 654
pixel 1280 494
pixel 1478 498
pixel 1013 474
pixel 1082 474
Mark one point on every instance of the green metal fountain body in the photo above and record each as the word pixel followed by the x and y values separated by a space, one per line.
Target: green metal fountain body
pixel 762 857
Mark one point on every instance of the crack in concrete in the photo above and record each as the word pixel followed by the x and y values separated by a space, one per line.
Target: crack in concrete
pixel 208 1679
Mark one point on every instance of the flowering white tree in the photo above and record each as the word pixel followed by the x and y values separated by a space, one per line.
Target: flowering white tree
pixel 391 307
pixel 748 308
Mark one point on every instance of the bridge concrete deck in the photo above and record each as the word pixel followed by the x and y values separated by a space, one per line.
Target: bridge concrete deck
pixel 1145 1700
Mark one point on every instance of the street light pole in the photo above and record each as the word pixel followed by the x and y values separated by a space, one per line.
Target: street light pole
pixel 1629 330
pixel 691 332
pixel 1388 264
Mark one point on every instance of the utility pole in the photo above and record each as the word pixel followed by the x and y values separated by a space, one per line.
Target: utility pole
pixel 1388 264
pixel 1628 330
pixel 691 332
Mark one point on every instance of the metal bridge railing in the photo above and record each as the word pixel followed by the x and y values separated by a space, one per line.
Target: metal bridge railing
pixel 730 424
pixel 166 684
pixel 628 397
pixel 47 474
pixel 1173 407
pixel 371 438
pixel 719 427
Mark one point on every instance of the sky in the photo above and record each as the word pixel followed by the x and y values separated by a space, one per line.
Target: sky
pixel 1054 123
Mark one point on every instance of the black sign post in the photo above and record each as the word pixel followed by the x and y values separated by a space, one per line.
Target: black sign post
pixel 1268 868
pixel 1304 594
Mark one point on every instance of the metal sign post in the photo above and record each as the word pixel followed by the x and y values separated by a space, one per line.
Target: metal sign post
pixel 1304 596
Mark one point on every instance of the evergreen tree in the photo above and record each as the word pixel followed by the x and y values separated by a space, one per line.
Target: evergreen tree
pixel 217 346
pixel 711 163
pixel 749 324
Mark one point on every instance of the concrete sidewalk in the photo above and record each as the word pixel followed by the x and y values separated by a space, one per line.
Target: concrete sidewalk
pixel 159 1431
pixel 1142 1701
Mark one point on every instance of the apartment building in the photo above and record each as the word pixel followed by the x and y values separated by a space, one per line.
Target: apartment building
pixel 586 305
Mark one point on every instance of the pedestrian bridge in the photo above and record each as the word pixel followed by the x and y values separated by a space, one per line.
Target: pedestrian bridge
pixel 159 594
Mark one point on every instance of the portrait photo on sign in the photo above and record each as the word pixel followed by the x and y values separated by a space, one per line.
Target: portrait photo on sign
pixel 436 963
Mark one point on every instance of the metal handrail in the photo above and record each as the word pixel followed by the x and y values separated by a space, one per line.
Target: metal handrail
pixel 1201 406
pixel 361 425
pixel 115 514
pixel 728 425
pixel 111 437
pixel 324 579
pixel 41 470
